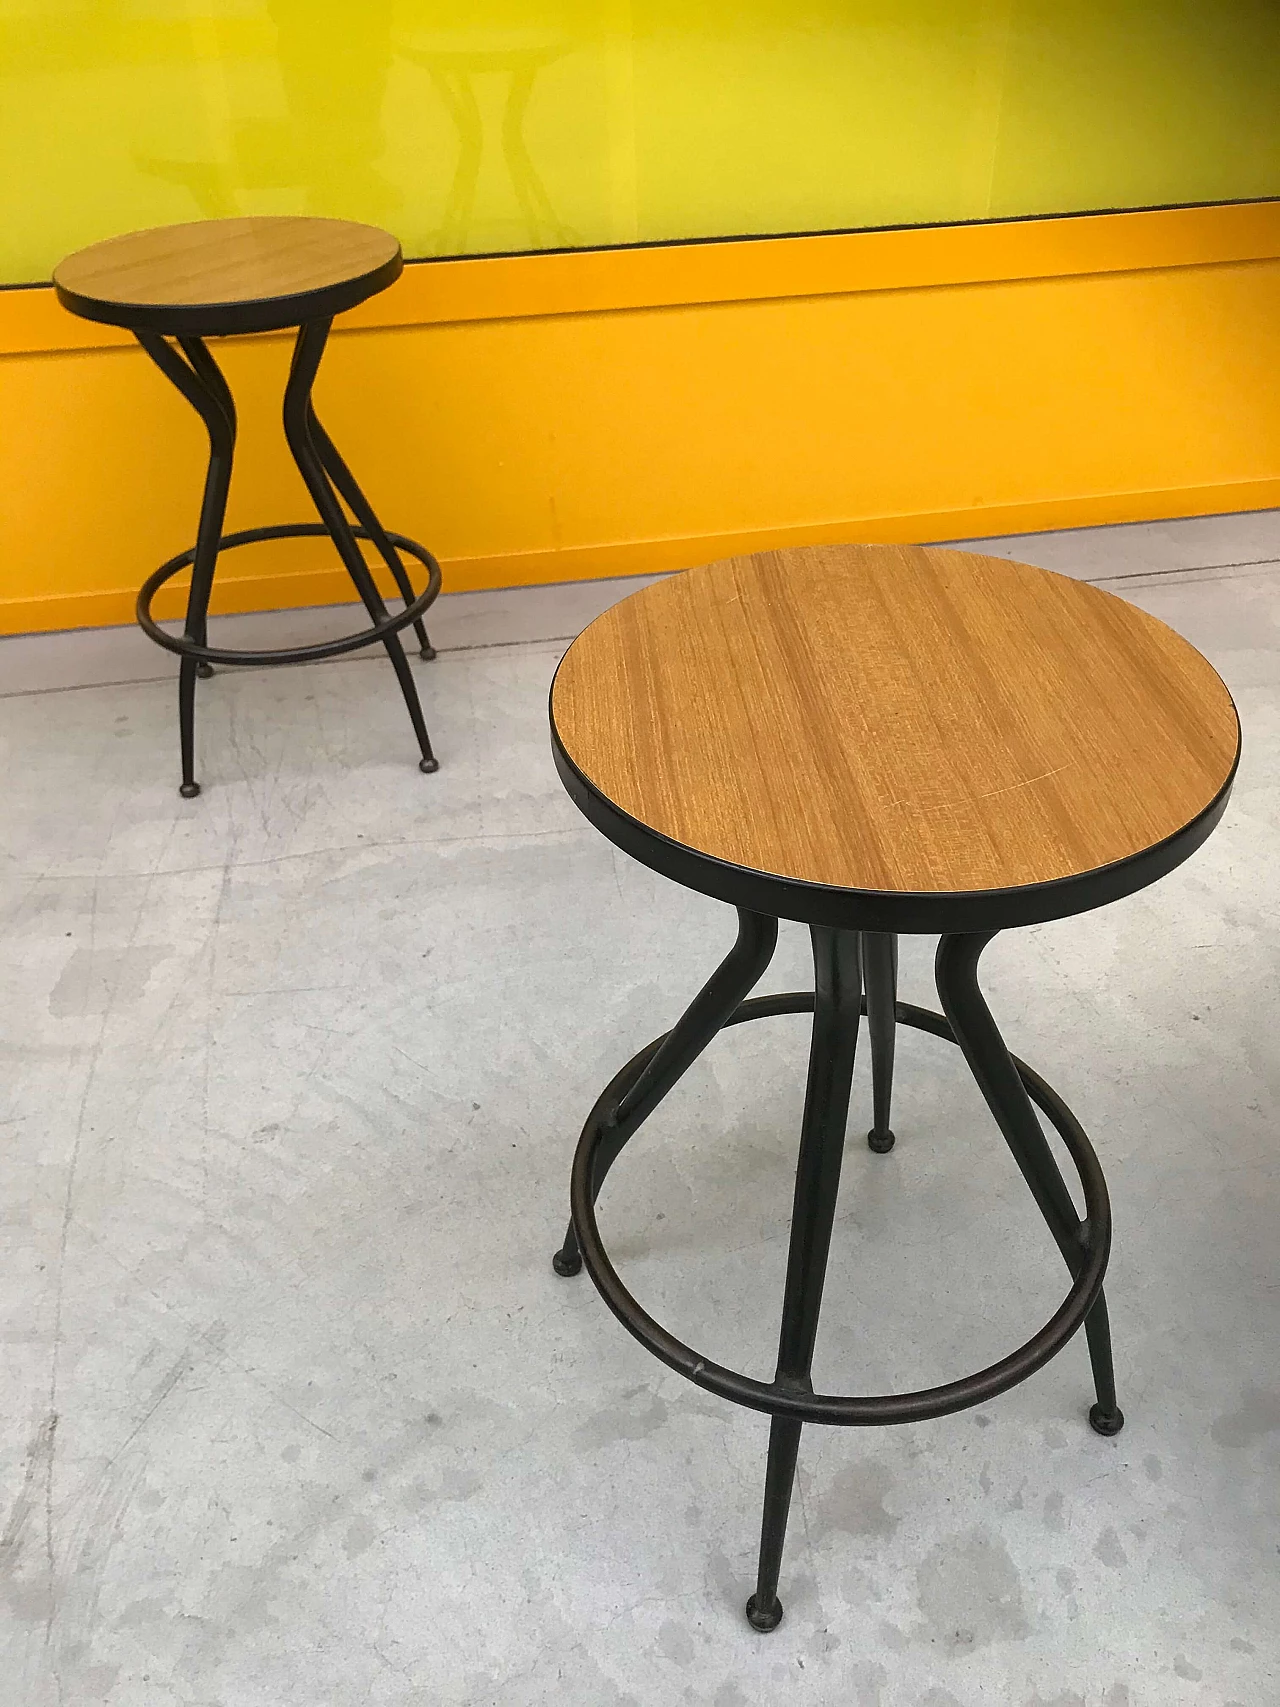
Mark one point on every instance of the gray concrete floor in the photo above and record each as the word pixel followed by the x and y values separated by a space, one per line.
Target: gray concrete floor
pixel 294 1410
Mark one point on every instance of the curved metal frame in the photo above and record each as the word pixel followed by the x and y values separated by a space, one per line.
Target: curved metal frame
pixel 596 1150
pixel 838 1000
pixel 193 371
pixel 412 613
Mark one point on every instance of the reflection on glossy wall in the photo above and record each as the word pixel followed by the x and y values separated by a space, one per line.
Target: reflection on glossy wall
pixel 479 125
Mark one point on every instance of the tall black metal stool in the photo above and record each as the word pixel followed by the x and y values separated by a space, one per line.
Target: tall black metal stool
pixel 176 286
pixel 876 740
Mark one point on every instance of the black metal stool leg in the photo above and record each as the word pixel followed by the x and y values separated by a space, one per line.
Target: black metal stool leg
pixel 364 512
pixel 673 1055
pixel 208 370
pixel 836 1012
pixel 297 427
pixel 880 972
pixel 998 1079
pixel 201 383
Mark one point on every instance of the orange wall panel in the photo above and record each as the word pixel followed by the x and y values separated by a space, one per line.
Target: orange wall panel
pixel 560 435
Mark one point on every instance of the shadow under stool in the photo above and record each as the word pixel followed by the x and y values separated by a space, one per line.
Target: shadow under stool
pixel 176 286
pixel 875 740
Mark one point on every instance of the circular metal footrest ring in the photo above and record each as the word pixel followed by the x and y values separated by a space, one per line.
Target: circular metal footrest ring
pixel 801 1405
pixel 286 654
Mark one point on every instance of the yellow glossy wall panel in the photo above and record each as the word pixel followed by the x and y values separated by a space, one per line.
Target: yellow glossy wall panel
pixel 482 125
pixel 543 444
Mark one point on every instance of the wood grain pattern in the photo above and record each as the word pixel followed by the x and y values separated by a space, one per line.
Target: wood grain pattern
pixel 220 261
pixel 895 718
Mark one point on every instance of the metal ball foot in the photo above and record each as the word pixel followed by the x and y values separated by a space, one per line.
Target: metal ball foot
pixel 427 652
pixel 189 790
pixel 203 670
pixel 1105 1422
pixel 880 1142
pixel 428 766
pixel 767 1619
pixel 566 1267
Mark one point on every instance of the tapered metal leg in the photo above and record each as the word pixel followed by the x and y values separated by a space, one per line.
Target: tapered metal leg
pixel 956 970
pixel 764 1609
pixel 365 514
pixel 880 974
pixel 212 511
pixel 200 381
pixel 837 1004
pixel 298 419
pixel 731 982
pixel 211 376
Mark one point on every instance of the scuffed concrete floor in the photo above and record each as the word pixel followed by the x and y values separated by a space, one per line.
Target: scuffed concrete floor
pixel 296 1412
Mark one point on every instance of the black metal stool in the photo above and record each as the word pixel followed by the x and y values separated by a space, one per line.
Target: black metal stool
pixel 226 277
pixel 875 740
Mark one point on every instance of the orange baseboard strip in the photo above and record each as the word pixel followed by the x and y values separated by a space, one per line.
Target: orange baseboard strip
pixel 558 417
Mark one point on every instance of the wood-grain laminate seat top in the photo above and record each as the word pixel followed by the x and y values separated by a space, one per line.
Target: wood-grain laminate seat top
pixel 894 720
pixel 228 275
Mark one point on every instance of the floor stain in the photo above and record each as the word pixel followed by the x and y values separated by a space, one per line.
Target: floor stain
pixel 97 979
pixel 970 1593
pixel 855 1503
pixel 641 1413
pixel 1258 1414
pixel 95 1683
pixel 676 1643
pixel 1184 1668
pixel 360 1536
pixel 24 1576
pixel 1107 1548
pixel 868 1680
pixel 730 1587
pixel 453 1487
pixel 1053 1520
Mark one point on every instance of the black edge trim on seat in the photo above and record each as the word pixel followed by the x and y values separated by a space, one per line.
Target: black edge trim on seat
pixel 910 914
pixel 227 319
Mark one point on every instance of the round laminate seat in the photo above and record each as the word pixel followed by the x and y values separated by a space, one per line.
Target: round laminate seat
pixel 893 737
pixel 215 277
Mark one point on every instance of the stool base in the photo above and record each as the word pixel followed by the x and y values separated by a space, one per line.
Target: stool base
pixel 193 371
pixel 1010 1088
